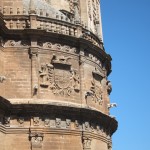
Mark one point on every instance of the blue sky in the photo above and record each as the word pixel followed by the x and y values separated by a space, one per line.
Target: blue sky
pixel 126 30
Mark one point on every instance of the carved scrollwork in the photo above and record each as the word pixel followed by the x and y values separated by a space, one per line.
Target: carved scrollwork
pixel 25 43
pixel 12 43
pixel 59 76
pixel 16 43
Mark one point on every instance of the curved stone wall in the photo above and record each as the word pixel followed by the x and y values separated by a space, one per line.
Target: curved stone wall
pixel 54 92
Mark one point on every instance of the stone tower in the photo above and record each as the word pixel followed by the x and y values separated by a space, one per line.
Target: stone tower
pixel 54 92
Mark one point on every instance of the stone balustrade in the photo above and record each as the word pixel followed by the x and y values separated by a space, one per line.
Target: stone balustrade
pixel 14 22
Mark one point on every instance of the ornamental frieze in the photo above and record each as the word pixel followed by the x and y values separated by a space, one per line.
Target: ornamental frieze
pixel 57 46
pixel 16 43
pixel 58 123
pixel 59 76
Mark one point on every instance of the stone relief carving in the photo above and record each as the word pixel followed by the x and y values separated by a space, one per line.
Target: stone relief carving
pixel 92 127
pixel 68 123
pixel 16 43
pixel 58 122
pixel 96 91
pixel 95 59
pixel 98 128
pixel 59 76
pixel 36 140
pixel 47 122
pixel 7 121
pixel 86 143
pixel 57 46
pixel 86 126
pixel 77 124
pixel 36 121
pixel 21 121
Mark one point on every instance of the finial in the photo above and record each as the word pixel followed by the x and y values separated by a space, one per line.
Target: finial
pixel 32 9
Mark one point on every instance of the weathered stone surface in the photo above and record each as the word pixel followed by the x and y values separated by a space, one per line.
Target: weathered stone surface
pixel 54 92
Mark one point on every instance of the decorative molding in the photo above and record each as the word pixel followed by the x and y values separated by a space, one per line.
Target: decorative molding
pixel 57 46
pixel 59 123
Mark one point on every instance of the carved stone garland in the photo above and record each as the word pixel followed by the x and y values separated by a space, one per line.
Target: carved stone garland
pixel 59 76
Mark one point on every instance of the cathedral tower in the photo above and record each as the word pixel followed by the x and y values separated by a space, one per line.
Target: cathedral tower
pixel 54 92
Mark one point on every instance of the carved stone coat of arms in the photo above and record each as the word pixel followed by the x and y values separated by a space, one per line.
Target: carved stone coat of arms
pixel 59 76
